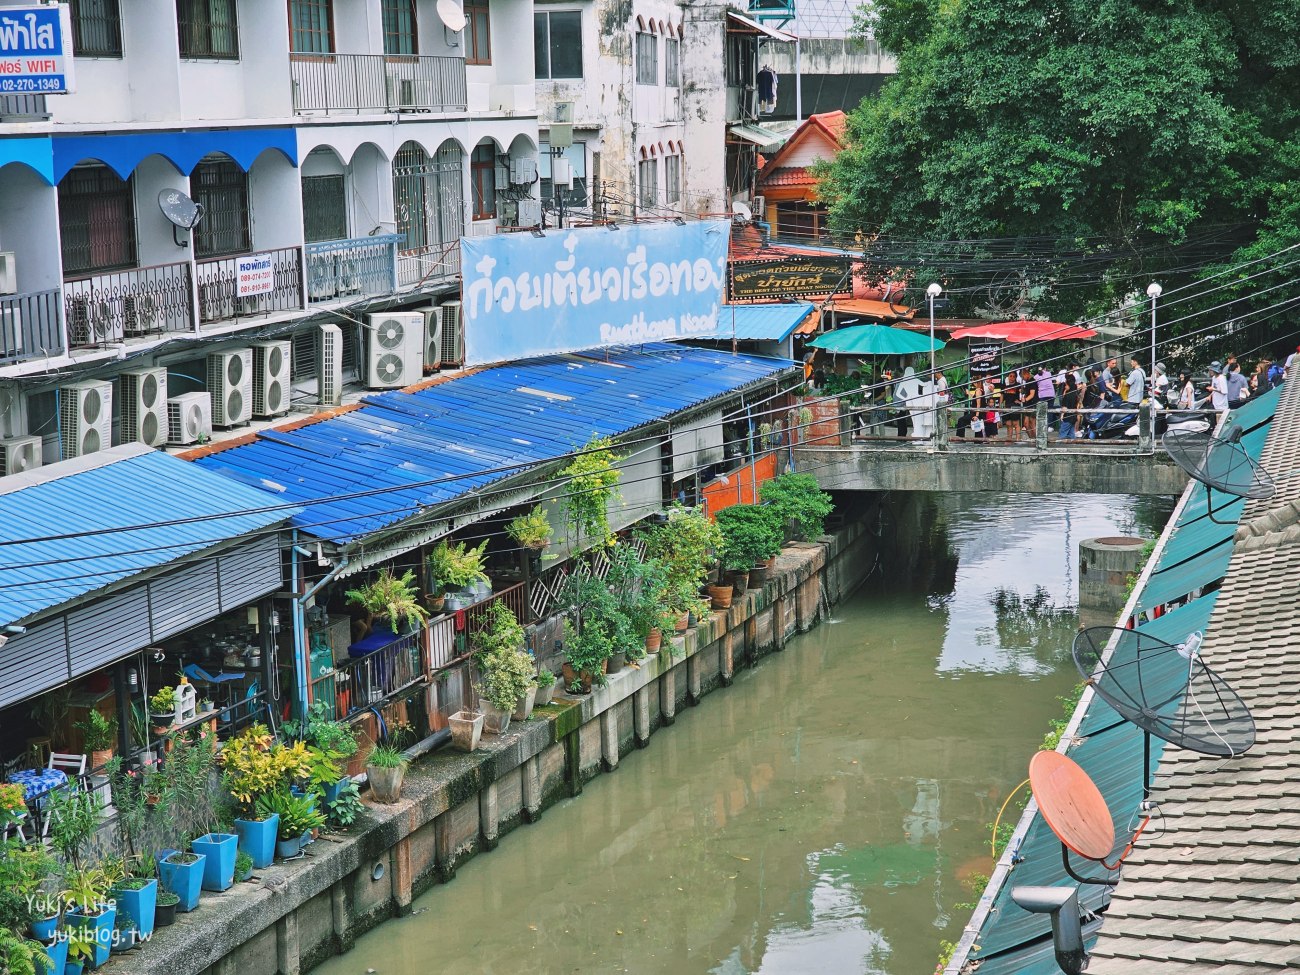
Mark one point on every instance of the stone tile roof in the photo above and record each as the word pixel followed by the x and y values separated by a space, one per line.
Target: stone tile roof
pixel 1211 887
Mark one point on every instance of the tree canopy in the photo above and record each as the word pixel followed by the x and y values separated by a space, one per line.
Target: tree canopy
pixel 1148 136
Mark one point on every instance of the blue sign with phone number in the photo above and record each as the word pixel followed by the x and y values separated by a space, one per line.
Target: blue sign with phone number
pixel 36 50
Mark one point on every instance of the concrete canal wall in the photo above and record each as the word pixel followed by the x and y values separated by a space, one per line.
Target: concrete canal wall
pixel 455 805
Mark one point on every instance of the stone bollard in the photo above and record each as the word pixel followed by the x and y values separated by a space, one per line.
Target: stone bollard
pixel 1040 428
pixel 1105 566
pixel 1146 433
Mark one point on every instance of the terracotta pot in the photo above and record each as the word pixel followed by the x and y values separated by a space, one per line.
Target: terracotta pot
pixel 100 757
pixel 654 640
pixel 435 604
pixel 720 596
pixel 770 563
pixel 758 575
pixel 740 579
pixel 466 729
pixel 683 621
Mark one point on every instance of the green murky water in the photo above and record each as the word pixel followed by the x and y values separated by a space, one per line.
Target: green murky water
pixel 825 813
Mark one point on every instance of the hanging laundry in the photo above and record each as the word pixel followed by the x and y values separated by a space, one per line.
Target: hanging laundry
pixel 767 84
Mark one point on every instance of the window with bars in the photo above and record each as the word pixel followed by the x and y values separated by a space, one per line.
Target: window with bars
pixel 576 156
pixel 557 44
pixel 797 218
pixel 672 62
pixel 96 220
pixel 208 29
pixel 478 32
pixel 311 26
pixel 483 181
pixel 672 179
pixel 647 58
pixel 427 196
pixel 324 208
pixel 96 28
pixel 399 27
pixel 648 183
pixel 221 187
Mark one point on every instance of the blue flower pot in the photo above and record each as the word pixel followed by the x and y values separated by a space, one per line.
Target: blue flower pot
pixel 286 849
pixel 43 930
pixel 73 968
pixel 257 838
pixel 57 952
pixel 100 928
pixel 185 880
pixel 138 905
pixel 331 792
pixel 218 851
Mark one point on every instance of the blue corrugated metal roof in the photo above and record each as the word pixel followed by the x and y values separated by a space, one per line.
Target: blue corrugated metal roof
pixel 463 431
pixel 134 486
pixel 760 323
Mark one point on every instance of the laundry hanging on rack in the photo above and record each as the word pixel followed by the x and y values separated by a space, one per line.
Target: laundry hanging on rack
pixel 767 85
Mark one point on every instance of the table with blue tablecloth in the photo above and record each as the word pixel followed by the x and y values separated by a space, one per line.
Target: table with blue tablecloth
pixel 38 781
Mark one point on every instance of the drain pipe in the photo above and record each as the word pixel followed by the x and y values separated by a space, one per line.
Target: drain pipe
pixel 1062 903
pixel 302 647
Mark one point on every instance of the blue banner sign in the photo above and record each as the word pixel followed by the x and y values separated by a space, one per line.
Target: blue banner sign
pixel 35 50
pixel 587 287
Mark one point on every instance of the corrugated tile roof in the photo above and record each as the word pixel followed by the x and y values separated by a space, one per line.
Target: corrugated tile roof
pixel 434 445
pixel 770 322
pixel 85 501
pixel 787 176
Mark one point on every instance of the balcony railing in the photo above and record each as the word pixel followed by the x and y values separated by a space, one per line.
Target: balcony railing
pixel 343 269
pixel 357 83
pixel 428 265
pixel 23 108
pixel 30 326
pixel 368 680
pixel 117 305
pixel 219 287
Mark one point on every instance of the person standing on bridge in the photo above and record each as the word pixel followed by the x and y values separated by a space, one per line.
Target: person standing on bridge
pixel 1218 387
pixel 1029 404
pixel 1160 385
pixel 1238 386
pixel 1137 383
pixel 1070 401
pixel 1186 391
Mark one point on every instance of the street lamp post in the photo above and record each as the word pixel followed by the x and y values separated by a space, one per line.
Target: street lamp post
pixel 1153 292
pixel 933 291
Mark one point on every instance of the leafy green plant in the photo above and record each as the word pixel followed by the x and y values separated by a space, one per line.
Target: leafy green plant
pixel 507 675
pixel 391 597
pixel 323 731
pixel 454 567
pixel 591 483
pixel 22 956
pixel 163 703
pixel 685 545
pixel 85 889
pixel 750 534
pixel 74 818
pixel 545 678
pixel 638 586
pixel 389 756
pixel 587 649
pixel 256 764
pixel 344 809
pixel 298 814
pixel 98 731
pixel 797 496
pixel 531 530
pixel 243 864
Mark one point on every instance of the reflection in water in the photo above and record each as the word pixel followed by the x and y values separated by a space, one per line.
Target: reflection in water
pixel 818 815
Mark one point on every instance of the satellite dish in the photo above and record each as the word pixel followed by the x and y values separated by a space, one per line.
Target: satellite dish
pixel 742 211
pixel 180 210
pixel 1220 463
pixel 452 16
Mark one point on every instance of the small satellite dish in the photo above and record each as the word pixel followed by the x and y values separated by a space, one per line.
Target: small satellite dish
pixel 180 210
pixel 1221 464
pixel 452 16
pixel 741 211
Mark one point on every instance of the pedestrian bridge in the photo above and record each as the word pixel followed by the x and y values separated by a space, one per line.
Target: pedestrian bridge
pixel 850 462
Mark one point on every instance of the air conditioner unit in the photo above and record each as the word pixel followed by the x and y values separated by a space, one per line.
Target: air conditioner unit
pixel 271 366
pixel 85 418
pixel 530 212
pixel 18 454
pixel 230 381
pixel 329 365
pixel 94 322
pixel 453 334
pixel 759 206
pixel 432 338
pixel 523 171
pixel 395 342
pixel 144 406
pixel 189 419
pixel 140 314
pixel 8 273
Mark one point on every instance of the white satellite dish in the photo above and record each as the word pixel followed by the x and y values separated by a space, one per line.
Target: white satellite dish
pixel 450 13
pixel 180 211
pixel 741 211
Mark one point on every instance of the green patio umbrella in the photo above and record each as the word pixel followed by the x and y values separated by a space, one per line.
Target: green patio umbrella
pixel 874 340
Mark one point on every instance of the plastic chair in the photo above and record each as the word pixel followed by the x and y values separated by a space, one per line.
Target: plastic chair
pixel 196 673
pixel 74 765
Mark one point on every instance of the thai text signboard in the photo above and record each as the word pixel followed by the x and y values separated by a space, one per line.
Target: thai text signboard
pixel 255 275
pixel 587 287
pixel 35 50
pixel 790 277
pixel 986 359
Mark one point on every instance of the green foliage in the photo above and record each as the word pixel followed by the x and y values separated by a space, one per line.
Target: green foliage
pixel 163 702
pixel 85 889
pixel 588 648
pixel 391 597
pixel 499 629
pixel 638 586
pixel 545 678
pixel 799 497
pixel 1058 725
pixel 74 817
pixel 455 567
pixel 750 534
pixel 98 731
pixel 298 814
pixel 389 756
pixel 21 956
pixel 686 544
pixel 531 530
pixel 344 809
pixel 243 863
pixel 590 484
pixel 507 669
pixel 323 731
pixel 24 870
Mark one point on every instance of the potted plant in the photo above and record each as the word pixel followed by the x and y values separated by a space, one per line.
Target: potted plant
pixel 295 817
pixel 545 687
pixel 506 668
pixel 590 482
pixel 466 729
pixel 531 530
pixel 255 764
pixel 219 851
pixel 56 956
pixel 684 545
pixel 393 598
pixel 336 740
pixel 797 499
pixel 99 737
pixel 243 867
pixel 82 946
pixel 345 807
pixel 162 708
pixel 385 769
pixel 750 535
pixel 90 911
pixel 455 570
pixel 165 908
pixel 639 586
pixel 137 898
pixel 182 874
pixel 587 651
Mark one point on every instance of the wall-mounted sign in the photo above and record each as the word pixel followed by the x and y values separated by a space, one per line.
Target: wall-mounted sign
pixel 255 275
pixel 790 277
pixel 36 50
pixel 587 287
pixel 986 359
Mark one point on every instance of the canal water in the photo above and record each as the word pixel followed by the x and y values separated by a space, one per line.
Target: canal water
pixel 827 813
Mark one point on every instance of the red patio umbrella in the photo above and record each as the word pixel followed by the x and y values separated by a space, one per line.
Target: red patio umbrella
pixel 1016 332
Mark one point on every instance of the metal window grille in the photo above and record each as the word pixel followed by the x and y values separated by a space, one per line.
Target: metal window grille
pixel 222 189
pixel 478 24
pixel 647 58
pixel 672 179
pixel 672 61
pixel 96 28
pixel 482 172
pixel 427 197
pixel 324 208
pixel 96 220
pixel 648 183
pixel 399 27
pixel 208 29
pixel 311 26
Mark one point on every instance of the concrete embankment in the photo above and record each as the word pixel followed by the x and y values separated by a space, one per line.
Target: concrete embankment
pixel 457 805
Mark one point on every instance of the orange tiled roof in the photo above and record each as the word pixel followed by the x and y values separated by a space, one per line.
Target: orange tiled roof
pixel 788 176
